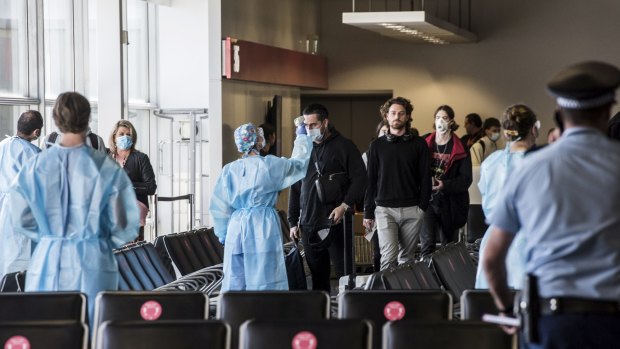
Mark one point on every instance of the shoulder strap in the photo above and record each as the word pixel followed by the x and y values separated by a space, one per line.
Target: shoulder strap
pixel 481 141
pixel 51 140
pixel 94 141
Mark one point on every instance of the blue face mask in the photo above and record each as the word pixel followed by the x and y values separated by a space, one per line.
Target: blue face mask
pixel 124 142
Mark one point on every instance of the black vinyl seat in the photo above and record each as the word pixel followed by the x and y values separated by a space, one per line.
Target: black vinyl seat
pixel 44 334
pixel 410 276
pixel 193 250
pixel 212 244
pixel 177 334
pixel 141 268
pixel 237 307
pixel 149 306
pixel 455 268
pixel 43 306
pixel 444 335
pixel 286 334
pixel 475 303
pixel 380 307
pixel 374 281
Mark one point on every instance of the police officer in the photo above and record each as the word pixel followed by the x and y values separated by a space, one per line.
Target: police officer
pixel 572 225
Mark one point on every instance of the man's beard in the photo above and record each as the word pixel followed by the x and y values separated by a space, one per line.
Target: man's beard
pixel 398 125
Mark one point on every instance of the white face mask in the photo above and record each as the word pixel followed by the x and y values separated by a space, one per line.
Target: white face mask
pixel 315 134
pixel 441 126
pixel 494 136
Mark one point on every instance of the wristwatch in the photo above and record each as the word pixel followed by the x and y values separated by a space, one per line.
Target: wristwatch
pixel 346 207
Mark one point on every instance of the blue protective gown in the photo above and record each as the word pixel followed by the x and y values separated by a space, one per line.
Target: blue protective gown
pixel 15 249
pixel 78 204
pixel 245 218
pixel 494 173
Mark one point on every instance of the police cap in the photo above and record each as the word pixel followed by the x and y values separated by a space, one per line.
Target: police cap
pixel 585 85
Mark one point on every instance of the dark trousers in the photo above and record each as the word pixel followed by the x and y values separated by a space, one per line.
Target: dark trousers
pixel 431 227
pixel 578 331
pixel 319 261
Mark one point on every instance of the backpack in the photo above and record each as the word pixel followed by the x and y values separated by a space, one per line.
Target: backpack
pixel 94 141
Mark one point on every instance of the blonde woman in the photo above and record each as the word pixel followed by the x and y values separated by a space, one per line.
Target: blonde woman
pixel 136 164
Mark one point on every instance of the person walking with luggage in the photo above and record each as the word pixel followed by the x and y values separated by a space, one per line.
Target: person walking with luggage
pixel 78 205
pixel 312 211
pixel 451 176
pixel 15 152
pixel 399 185
pixel 244 215
pixel 564 199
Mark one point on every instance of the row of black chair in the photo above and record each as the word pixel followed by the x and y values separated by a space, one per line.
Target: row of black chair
pixel 237 307
pixel 255 334
pixel 450 268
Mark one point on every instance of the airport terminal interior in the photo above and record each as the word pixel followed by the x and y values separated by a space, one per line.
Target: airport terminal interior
pixel 187 73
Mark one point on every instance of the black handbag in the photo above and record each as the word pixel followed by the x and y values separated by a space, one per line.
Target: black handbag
pixel 295 268
pixel 329 188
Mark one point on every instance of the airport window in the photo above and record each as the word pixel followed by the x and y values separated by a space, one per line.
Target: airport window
pixel 13 48
pixel 58 47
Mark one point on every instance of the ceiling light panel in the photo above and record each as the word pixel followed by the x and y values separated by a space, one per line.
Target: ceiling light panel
pixel 414 26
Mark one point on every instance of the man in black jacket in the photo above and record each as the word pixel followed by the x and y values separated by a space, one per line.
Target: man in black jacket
pixel 399 185
pixel 332 154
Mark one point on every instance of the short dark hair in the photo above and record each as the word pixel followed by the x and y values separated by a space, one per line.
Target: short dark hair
pixel 490 122
pixel 29 121
pixel 584 117
pixel 318 109
pixel 475 119
pixel 71 112
pixel 268 130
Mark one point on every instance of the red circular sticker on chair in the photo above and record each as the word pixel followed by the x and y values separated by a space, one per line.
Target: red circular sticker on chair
pixel 394 310
pixel 17 342
pixel 304 340
pixel 150 310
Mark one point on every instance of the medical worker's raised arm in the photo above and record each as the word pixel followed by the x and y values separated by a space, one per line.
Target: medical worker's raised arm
pixel 297 166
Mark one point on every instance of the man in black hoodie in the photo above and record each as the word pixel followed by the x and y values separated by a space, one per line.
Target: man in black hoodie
pixel 335 155
pixel 399 185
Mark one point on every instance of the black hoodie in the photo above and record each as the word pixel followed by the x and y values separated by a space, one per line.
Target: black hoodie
pixel 335 154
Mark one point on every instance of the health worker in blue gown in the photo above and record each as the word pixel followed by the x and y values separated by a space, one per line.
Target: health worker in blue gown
pixel 244 215
pixel 521 128
pixel 15 152
pixel 78 204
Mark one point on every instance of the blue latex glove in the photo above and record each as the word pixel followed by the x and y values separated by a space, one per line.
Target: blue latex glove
pixel 301 130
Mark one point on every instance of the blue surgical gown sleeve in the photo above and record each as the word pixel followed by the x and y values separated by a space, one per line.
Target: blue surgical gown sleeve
pixel 22 217
pixel 221 206
pixel 123 216
pixel 295 168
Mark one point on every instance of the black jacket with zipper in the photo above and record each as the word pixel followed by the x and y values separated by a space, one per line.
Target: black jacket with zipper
pixel 335 154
